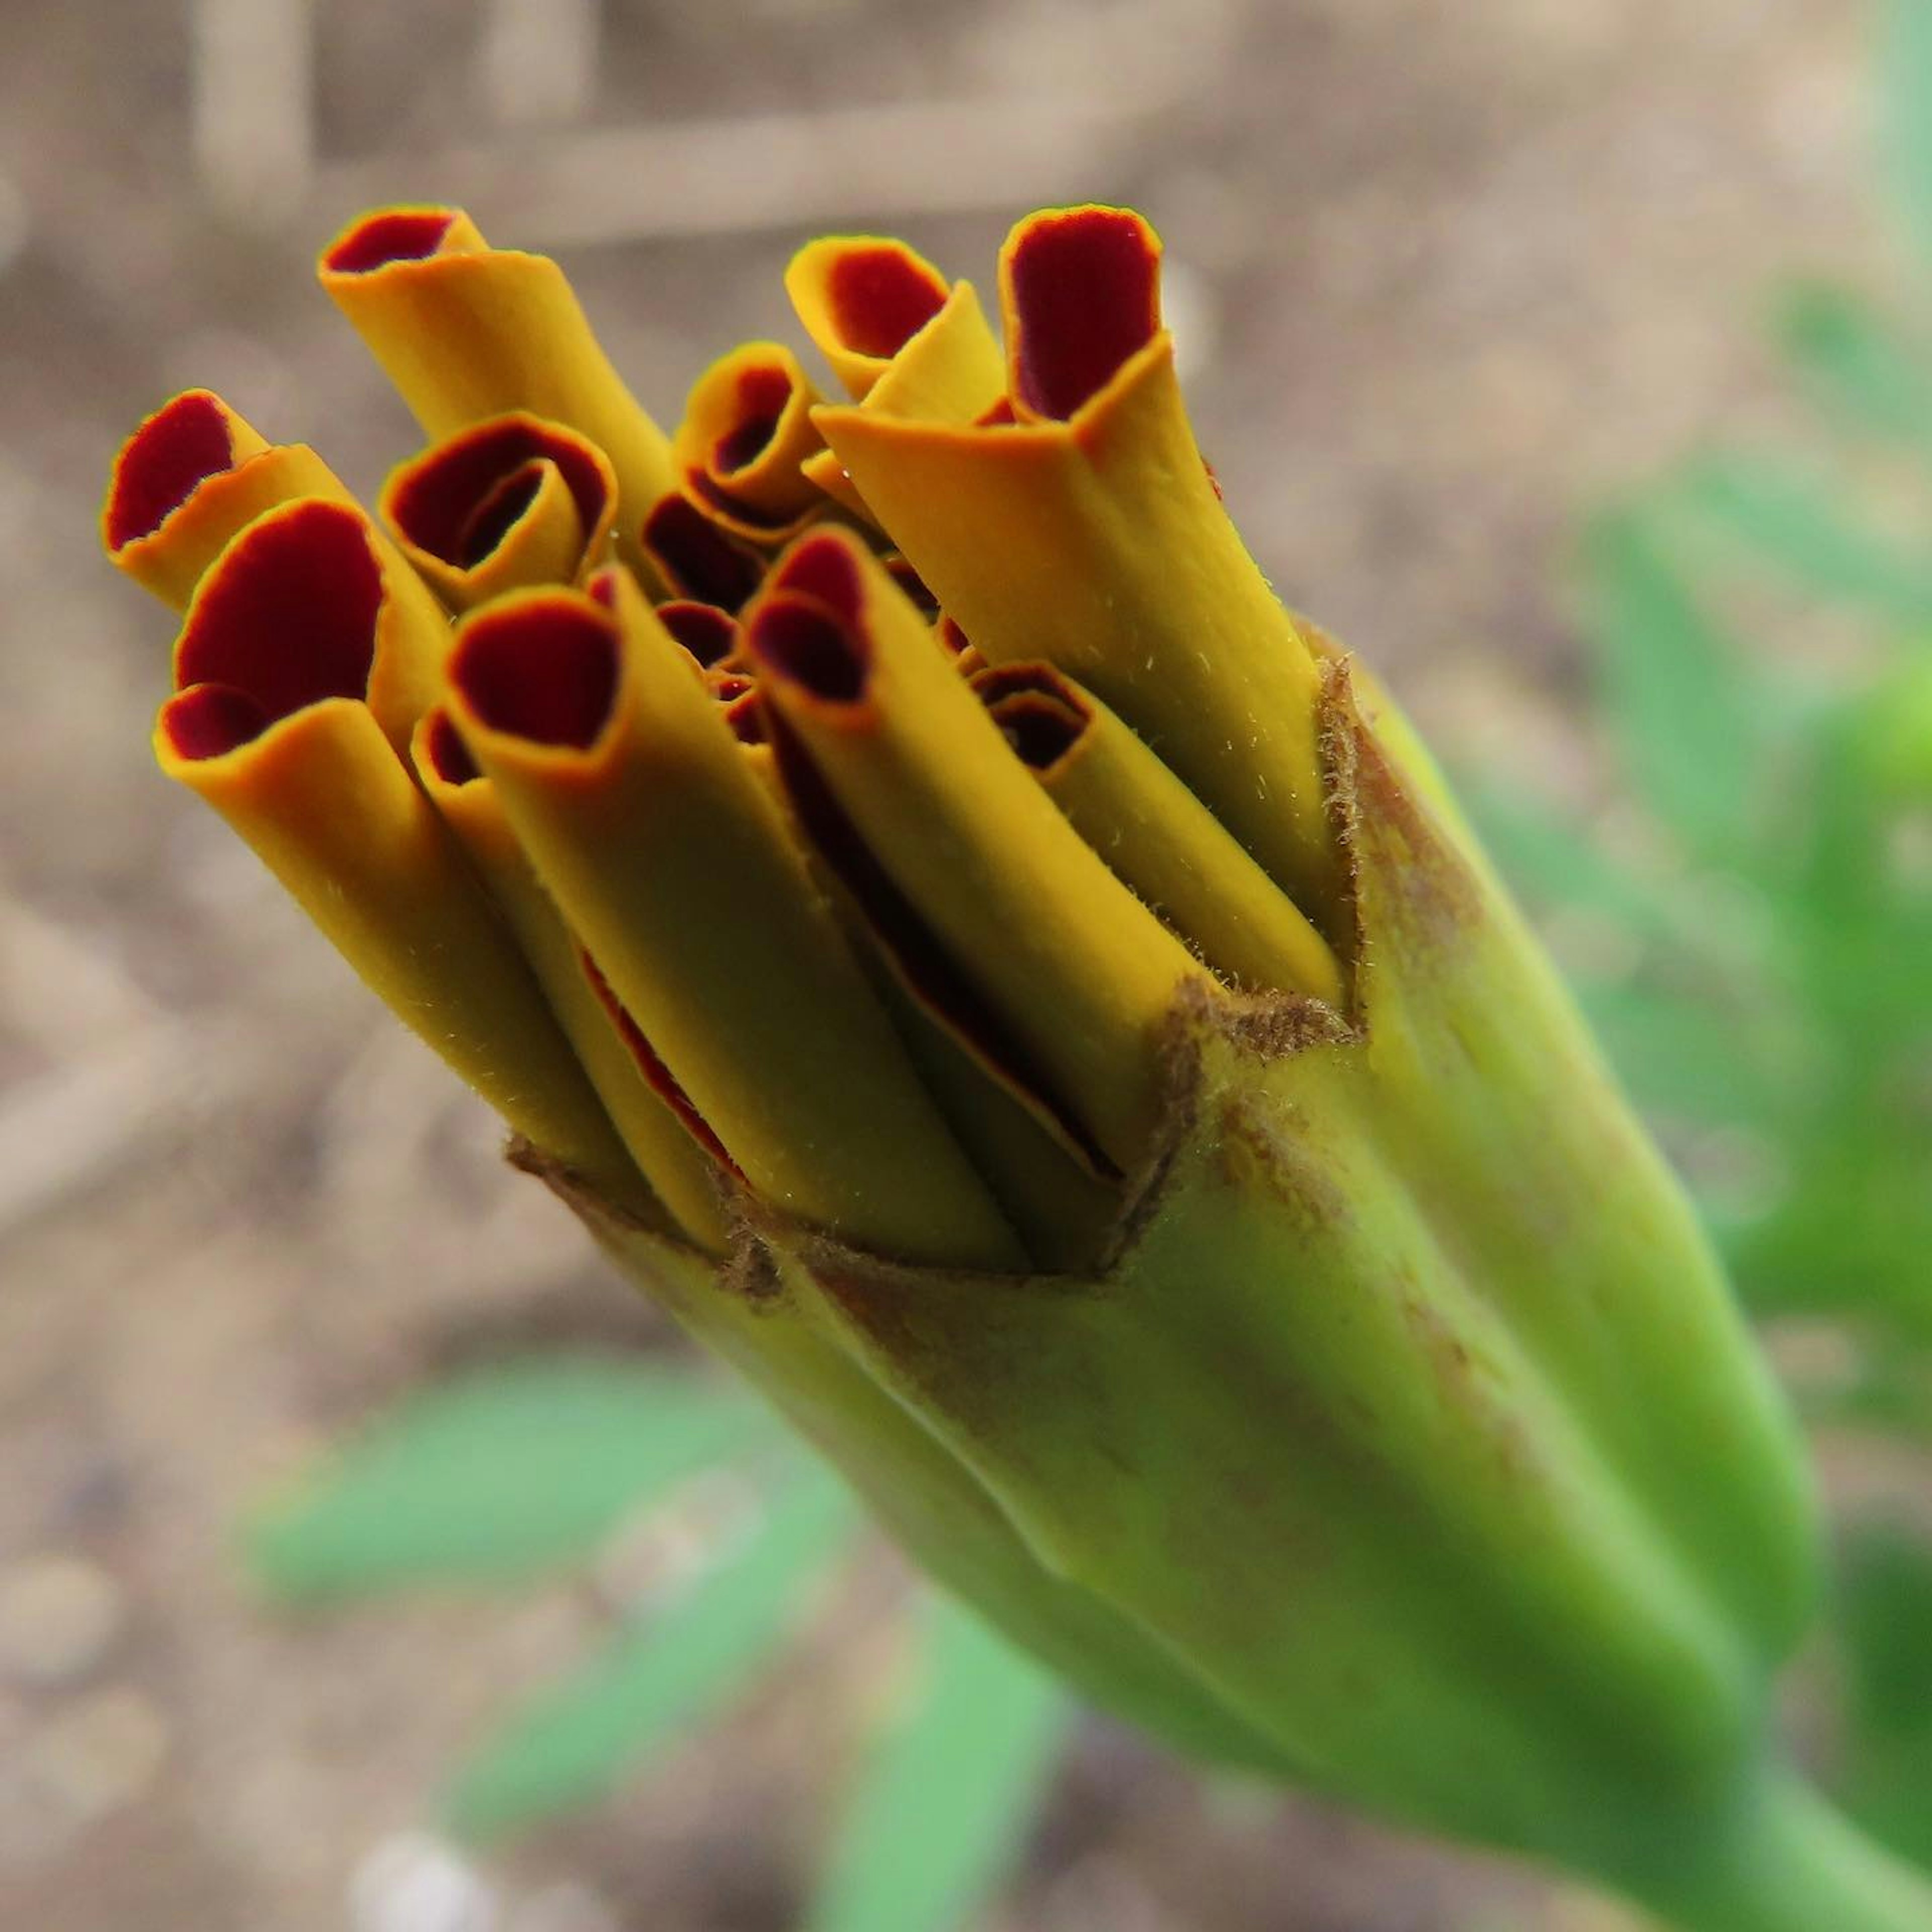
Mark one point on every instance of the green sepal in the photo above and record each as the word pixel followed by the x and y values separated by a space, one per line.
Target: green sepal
pixel 1410 1445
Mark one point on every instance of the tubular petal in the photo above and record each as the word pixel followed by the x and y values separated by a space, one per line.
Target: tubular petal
pixel 191 476
pixel 674 868
pixel 861 298
pixel 1100 545
pixel 681 1174
pixel 322 797
pixel 708 632
pixel 506 503
pixel 1081 974
pixel 306 604
pixel 1155 834
pixel 1079 295
pixel 950 371
pixel 747 427
pixel 467 332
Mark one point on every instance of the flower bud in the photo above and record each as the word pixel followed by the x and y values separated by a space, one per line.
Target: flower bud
pixel 1031 1005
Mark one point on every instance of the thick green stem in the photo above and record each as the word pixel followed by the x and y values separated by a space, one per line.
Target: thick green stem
pixel 1794 1865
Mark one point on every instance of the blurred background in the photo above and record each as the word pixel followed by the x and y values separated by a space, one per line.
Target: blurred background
pixel 1503 324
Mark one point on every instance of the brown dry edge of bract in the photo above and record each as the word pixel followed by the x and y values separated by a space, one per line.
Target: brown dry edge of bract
pixel 1260 1029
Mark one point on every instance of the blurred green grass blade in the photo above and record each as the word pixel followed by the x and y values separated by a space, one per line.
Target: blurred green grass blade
pixel 1678 1058
pixel 667 1672
pixel 1885 1623
pixel 1892 729
pixel 494 1475
pixel 1855 361
pixel 1551 861
pixel 1885 1612
pixel 1889 1392
pixel 1685 714
pixel 942 1803
pixel 1904 77
pixel 1797 524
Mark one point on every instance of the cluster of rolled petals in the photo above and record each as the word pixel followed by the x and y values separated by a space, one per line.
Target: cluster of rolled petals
pixel 1028 1001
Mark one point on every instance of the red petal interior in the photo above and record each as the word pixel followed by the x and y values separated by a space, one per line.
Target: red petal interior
pixel 745 715
pixel 449 757
pixel 178 446
pixel 881 298
pixel 288 614
pixel 1085 289
pixel 701 562
pixel 822 568
pixel 546 670
pixel 707 632
pixel 1041 713
pixel 763 392
pixel 401 235
pixel 458 502
pixel 1041 730
pixel 798 639
pixel 210 719
pixel 498 514
pixel 1002 681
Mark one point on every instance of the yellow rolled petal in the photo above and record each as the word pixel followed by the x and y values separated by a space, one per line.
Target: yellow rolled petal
pixel 626 787
pixel 950 370
pixel 746 429
pixel 193 474
pixel 861 298
pixel 1076 977
pixel 1079 296
pixel 323 799
pixel 309 601
pixel 1099 543
pixel 1156 835
pixel 682 1175
pixel 1064 1212
pixel 823 471
pixel 501 505
pixel 467 332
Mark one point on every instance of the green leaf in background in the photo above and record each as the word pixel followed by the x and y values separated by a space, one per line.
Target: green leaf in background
pixel 662 1674
pixel 1855 361
pixel 1554 861
pixel 1685 713
pixel 942 1805
pixel 1885 1608
pixel 1678 1058
pixel 1894 730
pixel 1904 73
pixel 1798 524
pixel 1888 1392
pixel 496 1475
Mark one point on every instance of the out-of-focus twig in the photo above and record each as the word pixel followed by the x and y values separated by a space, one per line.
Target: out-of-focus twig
pixel 252 104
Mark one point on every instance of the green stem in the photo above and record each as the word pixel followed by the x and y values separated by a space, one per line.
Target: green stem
pixel 1794 1865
